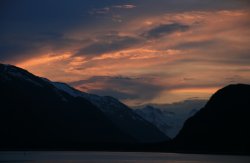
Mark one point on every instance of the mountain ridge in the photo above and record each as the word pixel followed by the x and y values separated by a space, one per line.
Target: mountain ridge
pixel 169 118
pixel 61 120
pixel 48 116
pixel 119 114
pixel 222 126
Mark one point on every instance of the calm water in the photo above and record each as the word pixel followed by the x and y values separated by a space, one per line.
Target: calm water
pixel 115 157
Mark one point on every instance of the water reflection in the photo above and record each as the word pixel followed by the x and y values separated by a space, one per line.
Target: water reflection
pixel 116 157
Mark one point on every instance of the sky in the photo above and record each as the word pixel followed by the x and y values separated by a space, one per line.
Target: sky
pixel 139 51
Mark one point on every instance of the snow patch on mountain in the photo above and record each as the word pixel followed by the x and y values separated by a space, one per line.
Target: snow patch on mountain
pixel 120 114
pixel 106 104
pixel 169 118
pixel 124 118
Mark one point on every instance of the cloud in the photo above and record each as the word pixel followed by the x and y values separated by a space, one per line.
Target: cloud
pixel 196 44
pixel 207 41
pixel 107 44
pixel 110 9
pixel 32 28
pixel 140 90
pixel 123 88
pixel 114 93
pixel 165 29
pixel 114 42
pixel 104 10
pixel 127 6
pixel 113 12
pixel 62 17
pixel 22 47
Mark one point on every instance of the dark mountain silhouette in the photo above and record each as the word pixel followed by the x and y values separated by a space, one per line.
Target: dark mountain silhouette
pixel 38 113
pixel 121 115
pixel 222 126
pixel 35 113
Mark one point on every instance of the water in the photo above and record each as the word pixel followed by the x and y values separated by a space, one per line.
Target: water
pixel 116 157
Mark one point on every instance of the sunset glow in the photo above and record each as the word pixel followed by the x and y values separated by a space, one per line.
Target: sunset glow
pixel 121 49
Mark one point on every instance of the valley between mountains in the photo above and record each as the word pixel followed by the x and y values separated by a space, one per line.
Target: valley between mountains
pixel 37 113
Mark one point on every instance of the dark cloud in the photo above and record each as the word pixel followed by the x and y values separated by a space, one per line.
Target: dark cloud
pixel 196 5
pixel 19 47
pixel 108 43
pixel 14 52
pixel 110 9
pixel 165 29
pixel 30 25
pixel 114 42
pixel 138 90
pixel 247 2
pixel 127 6
pixel 114 93
pixel 123 88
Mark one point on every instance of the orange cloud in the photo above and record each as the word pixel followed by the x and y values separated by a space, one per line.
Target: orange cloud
pixel 45 59
pixel 190 63
pixel 209 90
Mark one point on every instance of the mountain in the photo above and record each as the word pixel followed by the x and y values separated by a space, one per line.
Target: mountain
pixel 35 113
pixel 121 115
pixel 222 126
pixel 169 118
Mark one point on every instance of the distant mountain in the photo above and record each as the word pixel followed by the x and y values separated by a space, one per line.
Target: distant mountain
pixel 222 126
pixel 169 118
pixel 35 112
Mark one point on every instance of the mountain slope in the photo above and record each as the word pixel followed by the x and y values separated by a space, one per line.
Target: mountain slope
pixel 36 114
pixel 122 116
pixel 169 118
pixel 222 126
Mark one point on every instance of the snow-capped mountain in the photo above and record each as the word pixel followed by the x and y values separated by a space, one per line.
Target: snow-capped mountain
pixel 35 114
pixel 169 118
pixel 120 114
pixel 61 111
